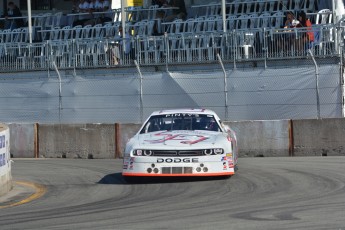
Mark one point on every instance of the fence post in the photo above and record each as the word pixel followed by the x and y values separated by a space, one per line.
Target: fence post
pixel 317 84
pixel 234 39
pixel 167 53
pixel 341 50
pixel 60 96
pixel 225 86
pixel 265 47
pixel 141 90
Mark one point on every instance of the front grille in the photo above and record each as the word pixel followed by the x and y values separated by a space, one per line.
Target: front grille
pixel 163 153
pixel 185 153
pixel 191 153
pixel 177 170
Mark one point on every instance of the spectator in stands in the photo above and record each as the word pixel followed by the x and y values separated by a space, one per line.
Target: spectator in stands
pixel 13 11
pixel 83 7
pixel 104 6
pixel 306 38
pixel 290 22
pixel 179 13
pixel 92 5
pixel 122 47
pixel 94 18
pixel 98 6
pixel 286 39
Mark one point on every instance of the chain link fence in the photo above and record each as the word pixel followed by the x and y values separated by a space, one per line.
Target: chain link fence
pixel 255 90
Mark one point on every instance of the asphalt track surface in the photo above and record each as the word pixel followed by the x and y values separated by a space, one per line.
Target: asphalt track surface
pixel 266 193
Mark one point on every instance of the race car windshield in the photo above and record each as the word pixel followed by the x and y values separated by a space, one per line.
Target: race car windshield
pixel 169 122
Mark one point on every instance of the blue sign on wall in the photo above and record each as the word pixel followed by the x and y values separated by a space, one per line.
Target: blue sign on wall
pixel 2 159
pixel 2 155
pixel 2 141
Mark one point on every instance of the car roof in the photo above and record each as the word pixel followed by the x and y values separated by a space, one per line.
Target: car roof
pixel 189 111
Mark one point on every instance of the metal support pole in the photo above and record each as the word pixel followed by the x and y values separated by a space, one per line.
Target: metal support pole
pixel 60 89
pixel 29 21
pixel 123 24
pixel 235 46
pixel 333 11
pixel 167 54
pixel 265 47
pixel 224 15
pixel 317 84
pixel 225 86
pixel 342 81
pixel 141 90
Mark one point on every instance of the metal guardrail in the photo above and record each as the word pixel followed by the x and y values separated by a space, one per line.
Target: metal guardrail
pixel 233 46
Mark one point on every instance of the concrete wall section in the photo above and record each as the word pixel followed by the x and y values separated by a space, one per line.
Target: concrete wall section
pixel 23 139
pixel 324 137
pixel 77 140
pixel 5 163
pixel 262 138
pixel 127 131
pixel 255 138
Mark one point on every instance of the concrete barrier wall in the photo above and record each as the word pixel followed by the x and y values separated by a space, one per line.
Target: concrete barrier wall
pixel 22 140
pixel 5 163
pixel 77 141
pixel 127 131
pixel 255 138
pixel 324 137
pixel 262 138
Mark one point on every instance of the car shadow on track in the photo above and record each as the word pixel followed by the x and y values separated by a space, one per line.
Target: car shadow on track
pixel 117 178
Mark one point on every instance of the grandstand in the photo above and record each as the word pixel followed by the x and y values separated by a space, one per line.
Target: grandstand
pixel 249 67
pixel 252 31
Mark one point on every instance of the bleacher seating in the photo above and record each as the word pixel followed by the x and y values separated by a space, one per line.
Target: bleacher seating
pixel 324 16
pixel 324 34
pixel 199 38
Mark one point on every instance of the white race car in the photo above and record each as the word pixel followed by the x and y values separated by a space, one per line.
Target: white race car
pixel 181 142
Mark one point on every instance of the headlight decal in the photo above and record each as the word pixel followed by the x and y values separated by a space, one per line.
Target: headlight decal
pixel 138 152
pixel 208 152
pixel 216 151
pixel 147 152
pixel 173 153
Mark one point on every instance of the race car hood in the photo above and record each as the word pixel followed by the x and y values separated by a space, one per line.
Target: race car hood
pixel 178 139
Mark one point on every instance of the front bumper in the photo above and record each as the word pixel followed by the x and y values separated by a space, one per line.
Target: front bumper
pixel 187 166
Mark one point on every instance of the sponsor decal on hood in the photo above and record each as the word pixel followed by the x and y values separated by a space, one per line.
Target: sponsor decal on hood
pixel 178 138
